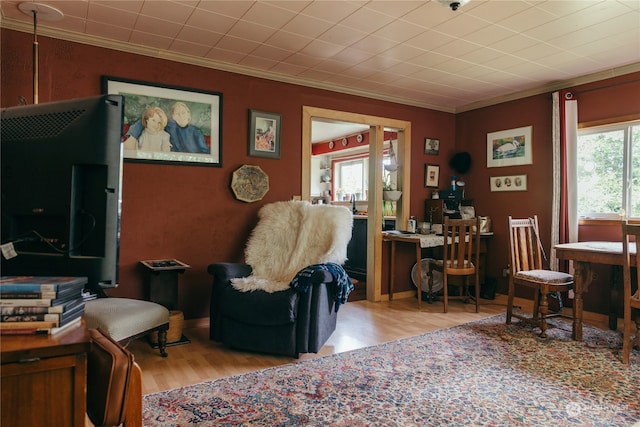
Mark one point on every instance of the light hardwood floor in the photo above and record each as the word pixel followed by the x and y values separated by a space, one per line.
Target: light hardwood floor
pixel 360 324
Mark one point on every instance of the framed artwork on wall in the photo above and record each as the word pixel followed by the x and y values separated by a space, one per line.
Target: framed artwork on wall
pixel 431 175
pixel 431 146
pixel 509 183
pixel 264 134
pixel 509 147
pixel 169 124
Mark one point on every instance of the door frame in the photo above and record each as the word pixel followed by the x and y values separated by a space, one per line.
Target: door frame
pixel 377 126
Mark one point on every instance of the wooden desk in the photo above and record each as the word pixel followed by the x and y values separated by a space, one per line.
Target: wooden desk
pixel 420 241
pixel 583 254
pixel 44 379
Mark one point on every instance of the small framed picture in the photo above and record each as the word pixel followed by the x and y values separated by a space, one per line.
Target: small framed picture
pixel 431 175
pixel 509 183
pixel 264 134
pixel 431 146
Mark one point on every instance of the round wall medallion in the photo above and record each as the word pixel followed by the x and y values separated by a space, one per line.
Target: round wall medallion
pixel 331 145
pixel 249 183
pixel 344 142
pixel 359 137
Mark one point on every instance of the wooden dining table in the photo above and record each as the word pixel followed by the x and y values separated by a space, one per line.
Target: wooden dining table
pixel 583 255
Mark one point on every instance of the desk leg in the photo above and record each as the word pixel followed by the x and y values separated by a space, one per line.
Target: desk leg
pixel 582 281
pixel 392 267
pixel 419 274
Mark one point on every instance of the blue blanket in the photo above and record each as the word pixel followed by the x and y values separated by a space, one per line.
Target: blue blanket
pixel 342 285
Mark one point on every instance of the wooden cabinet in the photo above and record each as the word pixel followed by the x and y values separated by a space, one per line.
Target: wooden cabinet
pixel 44 379
pixel 356 264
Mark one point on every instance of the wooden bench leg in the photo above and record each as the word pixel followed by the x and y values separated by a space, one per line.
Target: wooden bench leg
pixel 162 340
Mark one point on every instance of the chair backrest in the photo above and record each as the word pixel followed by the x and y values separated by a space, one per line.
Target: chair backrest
pixel 461 245
pixel 630 235
pixel 525 247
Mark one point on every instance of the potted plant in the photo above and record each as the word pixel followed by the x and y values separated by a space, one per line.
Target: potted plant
pixel 388 192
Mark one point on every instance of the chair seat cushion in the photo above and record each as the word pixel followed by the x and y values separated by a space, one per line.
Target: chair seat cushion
pixel 122 318
pixel 548 276
pixel 260 307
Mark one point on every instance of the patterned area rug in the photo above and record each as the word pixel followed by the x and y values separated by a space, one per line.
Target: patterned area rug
pixel 483 373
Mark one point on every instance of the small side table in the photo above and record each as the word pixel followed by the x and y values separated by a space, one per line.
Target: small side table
pixel 162 284
pixel 162 281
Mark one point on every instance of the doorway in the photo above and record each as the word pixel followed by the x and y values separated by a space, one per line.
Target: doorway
pixel 377 126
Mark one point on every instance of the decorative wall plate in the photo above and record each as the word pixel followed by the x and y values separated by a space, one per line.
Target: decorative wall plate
pixel 249 183
pixel 344 142
pixel 359 137
pixel 331 145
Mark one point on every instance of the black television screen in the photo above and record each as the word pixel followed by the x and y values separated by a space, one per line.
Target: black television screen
pixel 61 188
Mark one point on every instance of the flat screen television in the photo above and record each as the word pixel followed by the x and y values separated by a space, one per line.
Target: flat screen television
pixel 61 188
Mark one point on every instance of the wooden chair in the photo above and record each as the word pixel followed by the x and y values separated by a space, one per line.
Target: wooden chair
pixel 631 299
pixel 460 257
pixel 114 383
pixel 527 270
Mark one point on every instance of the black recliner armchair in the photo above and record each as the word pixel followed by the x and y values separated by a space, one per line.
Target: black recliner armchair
pixel 285 299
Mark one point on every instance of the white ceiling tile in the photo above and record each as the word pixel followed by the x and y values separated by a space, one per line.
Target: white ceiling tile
pixel 429 40
pixel 399 31
pixel 150 25
pixel 527 19
pixel 271 52
pixel 225 55
pixel 331 10
pixel 321 49
pixel 250 31
pixel 342 34
pixel 234 9
pixel 307 26
pixel 257 62
pixel 187 48
pixel 153 41
pixel 167 11
pixel 374 44
pixel 118 17
pixel 211 21
pixel 197 35
pixel 268 15
pixel 237 44
pixel 100 29
pixel 367 20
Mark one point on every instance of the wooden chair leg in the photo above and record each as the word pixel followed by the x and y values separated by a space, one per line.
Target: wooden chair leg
pixel 446 292
pixel 510 302
pixel 133 405
pixel 544 312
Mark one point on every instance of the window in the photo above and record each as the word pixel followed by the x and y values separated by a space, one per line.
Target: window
pixel 609 171
pixel 351 175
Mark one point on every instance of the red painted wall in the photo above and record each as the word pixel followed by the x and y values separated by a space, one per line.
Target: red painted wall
pixel 189 212
pixel 605 99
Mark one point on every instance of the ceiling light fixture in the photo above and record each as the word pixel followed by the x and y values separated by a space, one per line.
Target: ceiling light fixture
pixel 46 13
pixel 453 4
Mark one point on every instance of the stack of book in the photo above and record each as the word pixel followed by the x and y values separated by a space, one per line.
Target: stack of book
pixel 40 305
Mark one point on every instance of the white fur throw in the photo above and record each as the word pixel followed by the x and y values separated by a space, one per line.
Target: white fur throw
pixel 291 236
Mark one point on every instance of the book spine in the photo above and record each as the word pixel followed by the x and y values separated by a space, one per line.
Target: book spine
pixel 26 325
pixel 28 295
pixel 27 287
pixel 10 302
pixel 31 317
pixel 12 311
